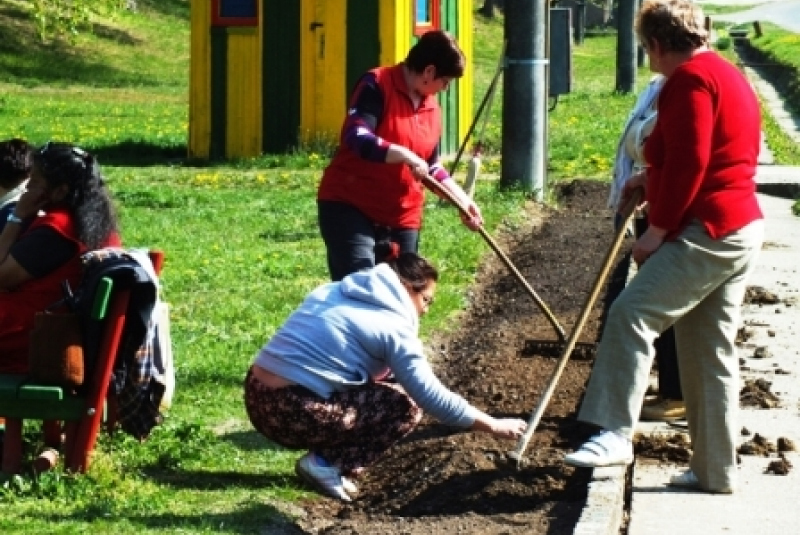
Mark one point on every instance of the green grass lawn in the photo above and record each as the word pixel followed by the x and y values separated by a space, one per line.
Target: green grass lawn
pixel 242 249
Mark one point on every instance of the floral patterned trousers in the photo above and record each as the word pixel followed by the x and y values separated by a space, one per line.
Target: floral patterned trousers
pixel 350 430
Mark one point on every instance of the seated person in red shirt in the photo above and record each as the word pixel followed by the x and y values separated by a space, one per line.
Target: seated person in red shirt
pixel 65 212
pixel 16 160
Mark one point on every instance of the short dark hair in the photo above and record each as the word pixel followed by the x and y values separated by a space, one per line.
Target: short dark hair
pixel 439 49
pixel 16 162
pixel 414 270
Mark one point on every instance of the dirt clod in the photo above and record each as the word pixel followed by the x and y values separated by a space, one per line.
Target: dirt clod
pixel 744 334
pixel 667 448
pixel 757 445
pixel 757 394
pixel 757 295
pixel 762 352
pixel 780 467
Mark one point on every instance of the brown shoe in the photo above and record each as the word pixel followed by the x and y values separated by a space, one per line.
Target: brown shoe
pixel 649 401
pixel 665 411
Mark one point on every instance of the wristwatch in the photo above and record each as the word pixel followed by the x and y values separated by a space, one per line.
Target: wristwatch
pixel 13 218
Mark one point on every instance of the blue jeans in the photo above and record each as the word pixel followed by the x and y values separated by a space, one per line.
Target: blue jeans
pixel 353 242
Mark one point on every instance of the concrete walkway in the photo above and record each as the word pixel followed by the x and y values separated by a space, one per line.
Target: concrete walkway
pixel 764 503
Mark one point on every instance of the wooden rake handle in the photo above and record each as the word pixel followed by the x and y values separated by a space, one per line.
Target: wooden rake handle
pixel 434 185
pixel 533 422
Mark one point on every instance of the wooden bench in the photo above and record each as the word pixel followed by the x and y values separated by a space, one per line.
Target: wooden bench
pixel 80 415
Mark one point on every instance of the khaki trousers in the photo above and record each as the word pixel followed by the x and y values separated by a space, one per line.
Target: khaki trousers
pixel 696 284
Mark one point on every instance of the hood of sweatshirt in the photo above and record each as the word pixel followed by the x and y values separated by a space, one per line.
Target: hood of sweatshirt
pixel 381 287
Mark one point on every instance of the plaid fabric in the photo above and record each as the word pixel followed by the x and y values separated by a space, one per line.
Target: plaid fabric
pixel 138 392
pixel 133 379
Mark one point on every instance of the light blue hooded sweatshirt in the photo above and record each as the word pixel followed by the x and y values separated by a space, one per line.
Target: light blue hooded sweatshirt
pixel 346 334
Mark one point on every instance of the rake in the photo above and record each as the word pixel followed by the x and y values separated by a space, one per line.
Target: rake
pixel 627 213
pixel 540 347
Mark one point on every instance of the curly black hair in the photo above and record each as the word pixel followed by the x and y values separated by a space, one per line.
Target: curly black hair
pixel 87 196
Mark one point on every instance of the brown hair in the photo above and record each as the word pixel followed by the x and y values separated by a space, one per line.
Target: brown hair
pixel 414 270
pixel 439 49
pixel 676 25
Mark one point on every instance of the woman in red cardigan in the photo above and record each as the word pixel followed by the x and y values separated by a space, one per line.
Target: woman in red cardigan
pixel 706 229
pixel 370 198
pixel 65 212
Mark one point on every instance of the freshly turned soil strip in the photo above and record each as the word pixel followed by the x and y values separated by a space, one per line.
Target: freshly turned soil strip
pixel 443 480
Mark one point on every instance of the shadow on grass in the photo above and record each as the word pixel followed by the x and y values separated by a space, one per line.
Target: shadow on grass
pixel 131 153
pixel 254 517
pixel 273 236
pixel 26 60
pixel 214 480
pixel 250 441
pixel 174 8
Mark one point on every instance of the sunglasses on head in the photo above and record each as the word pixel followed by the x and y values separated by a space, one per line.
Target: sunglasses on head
pixel 78 155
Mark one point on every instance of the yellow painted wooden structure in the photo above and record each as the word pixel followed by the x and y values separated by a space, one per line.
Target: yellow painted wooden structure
pixel 279 74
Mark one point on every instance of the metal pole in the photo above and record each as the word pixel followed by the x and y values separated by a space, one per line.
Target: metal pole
pixel 641 55
pixel 525 96
pixel 580 21
pixel 626 46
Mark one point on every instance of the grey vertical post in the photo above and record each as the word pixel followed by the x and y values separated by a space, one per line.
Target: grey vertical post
pixel 641 55
pixel 525 96
pixel 580 21
pixel 626 46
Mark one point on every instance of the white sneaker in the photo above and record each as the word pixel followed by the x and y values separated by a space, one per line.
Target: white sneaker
pixel 326 479
pixel 604 449
pixel 687 480
pixel 349 486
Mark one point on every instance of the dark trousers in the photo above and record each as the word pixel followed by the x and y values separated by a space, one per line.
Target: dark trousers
pixel 353 242
pixel 669 382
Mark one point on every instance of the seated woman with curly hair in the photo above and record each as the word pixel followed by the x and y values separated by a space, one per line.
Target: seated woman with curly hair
pixel 65 212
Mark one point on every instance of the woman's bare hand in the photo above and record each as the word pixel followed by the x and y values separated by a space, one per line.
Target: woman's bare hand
pixel 639 180
pixel 474 220
pixel 645 246
pixel 419 167
pixel 511 428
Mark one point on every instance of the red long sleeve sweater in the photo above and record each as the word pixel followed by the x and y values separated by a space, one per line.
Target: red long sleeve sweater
pixel 703 151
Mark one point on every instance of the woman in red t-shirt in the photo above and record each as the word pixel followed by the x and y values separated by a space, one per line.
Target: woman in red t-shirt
pixel 65 212
pixel 370 198
pixel 706 229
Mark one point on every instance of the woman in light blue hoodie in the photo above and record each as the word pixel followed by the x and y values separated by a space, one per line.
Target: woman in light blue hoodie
pixel 320 383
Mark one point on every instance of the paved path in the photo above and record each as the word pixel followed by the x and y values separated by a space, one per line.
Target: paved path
pixel 785 13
